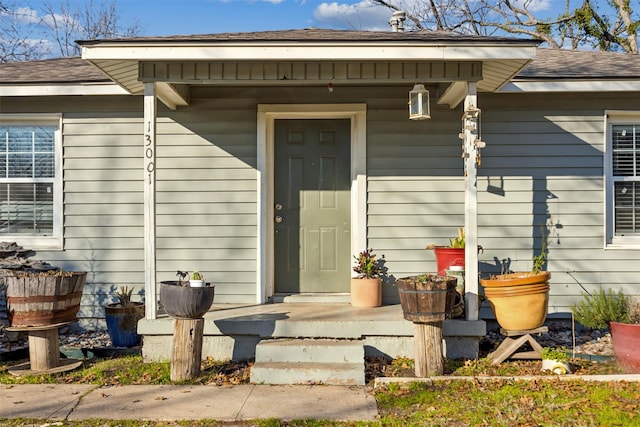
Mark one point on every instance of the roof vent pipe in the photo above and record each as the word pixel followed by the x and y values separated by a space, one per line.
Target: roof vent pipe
pixel 397 21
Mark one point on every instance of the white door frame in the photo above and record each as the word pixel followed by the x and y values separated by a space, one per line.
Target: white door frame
pixel 267 114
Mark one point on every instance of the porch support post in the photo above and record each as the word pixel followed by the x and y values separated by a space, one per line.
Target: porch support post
pixel 150 115
pixel 470 131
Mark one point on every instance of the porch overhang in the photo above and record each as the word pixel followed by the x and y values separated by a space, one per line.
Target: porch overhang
pixel 490 62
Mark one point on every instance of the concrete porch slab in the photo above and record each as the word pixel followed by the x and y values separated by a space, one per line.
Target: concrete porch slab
pixel 232 331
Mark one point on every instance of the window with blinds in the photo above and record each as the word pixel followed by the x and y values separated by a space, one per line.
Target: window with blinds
pixel 27 177
pixel 625 151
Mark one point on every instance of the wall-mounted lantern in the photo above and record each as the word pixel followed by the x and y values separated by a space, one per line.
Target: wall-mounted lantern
pixel 419 103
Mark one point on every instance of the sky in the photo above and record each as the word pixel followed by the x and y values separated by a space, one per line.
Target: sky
pixel 175 17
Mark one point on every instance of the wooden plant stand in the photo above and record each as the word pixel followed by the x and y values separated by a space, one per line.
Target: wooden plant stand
pixel 44 351
pixel 513 341
pixel 186 356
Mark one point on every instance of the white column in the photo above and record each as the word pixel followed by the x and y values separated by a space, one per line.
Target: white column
pixel 470 130
pixel 150 113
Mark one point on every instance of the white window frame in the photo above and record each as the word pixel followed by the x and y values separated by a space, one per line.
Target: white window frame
pixel 55 240
pixel 614 117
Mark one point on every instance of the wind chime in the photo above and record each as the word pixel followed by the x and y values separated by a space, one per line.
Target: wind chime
pixel 471 135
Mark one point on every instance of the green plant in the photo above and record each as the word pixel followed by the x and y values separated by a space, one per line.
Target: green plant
pixel 458 242
pixel 596 310
pixel 124 295
pixel 367 266
pixel 540 259
pixel 196 276
pixel 555 353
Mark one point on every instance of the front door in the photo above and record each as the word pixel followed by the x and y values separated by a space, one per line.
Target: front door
pixel 312 205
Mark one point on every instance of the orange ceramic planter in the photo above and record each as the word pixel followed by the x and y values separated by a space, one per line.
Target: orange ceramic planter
pixel 515 290
pixel 366 292
pixel 520 312
pixel 516 279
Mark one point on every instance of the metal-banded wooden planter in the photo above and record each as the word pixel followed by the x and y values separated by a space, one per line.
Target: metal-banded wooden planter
pixel 40 299
pixel 427 297
pixel 426 300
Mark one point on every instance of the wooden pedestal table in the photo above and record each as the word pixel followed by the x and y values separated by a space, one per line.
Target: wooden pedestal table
pixel 508 349
pixel 44 351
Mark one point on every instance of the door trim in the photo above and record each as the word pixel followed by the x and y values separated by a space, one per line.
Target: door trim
pixel 267 114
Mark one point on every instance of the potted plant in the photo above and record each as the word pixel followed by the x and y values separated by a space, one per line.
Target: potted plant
pixel 182 301
pixel 196 280
pixel 452 255
pixel 122 319
pixel 366 287
pixel 520 300
pixel 621 315
pixel 556 360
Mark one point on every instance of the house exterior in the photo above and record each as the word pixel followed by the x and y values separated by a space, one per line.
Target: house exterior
pixel 191 153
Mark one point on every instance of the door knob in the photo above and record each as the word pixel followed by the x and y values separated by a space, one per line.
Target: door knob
pixel 278 219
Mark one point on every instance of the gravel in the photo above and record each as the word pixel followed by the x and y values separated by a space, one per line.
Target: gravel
pixel 597 342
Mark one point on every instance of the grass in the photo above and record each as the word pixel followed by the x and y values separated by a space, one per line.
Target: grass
pixel 510 402
pixel 132 370
pixel 501 402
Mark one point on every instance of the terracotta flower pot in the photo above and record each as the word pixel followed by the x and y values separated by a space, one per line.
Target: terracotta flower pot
pixel 626 346
pixel 366 292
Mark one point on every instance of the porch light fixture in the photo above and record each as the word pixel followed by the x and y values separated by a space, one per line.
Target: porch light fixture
pixel 419 103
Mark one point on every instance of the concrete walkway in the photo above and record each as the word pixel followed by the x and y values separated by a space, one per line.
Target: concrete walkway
pixel 190 402
pixel 56 402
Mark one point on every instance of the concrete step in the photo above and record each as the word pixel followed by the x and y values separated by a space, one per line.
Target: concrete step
pixel 309 361
pixel 320 350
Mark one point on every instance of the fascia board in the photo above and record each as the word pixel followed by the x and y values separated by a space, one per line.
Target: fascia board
pixel 62 90
pixel 627 85
pixel 305 52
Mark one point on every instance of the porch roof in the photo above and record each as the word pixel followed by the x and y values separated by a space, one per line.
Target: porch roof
pixel 500 58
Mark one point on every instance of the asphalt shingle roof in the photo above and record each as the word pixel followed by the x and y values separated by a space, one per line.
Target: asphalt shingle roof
pixel 548 64
pixel 315 35
pixel 61 70
pixel 571 64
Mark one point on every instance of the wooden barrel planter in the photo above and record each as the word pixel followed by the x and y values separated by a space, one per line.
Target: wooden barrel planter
pixel 185 302
pixel 426 298
pixel 46 298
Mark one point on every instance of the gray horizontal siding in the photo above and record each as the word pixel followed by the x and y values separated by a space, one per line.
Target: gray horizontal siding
pixel 540 164
pixel 539 161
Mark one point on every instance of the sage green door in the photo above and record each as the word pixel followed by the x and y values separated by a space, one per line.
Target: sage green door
pixel 312 206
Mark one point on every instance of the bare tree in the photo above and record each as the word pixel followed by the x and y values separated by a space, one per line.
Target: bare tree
pixel 28 34
pixel 606 24
pixel 18 41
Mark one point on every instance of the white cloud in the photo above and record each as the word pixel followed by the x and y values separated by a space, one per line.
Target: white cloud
pixel 534 5
pixel 25 15
pixel 357 16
